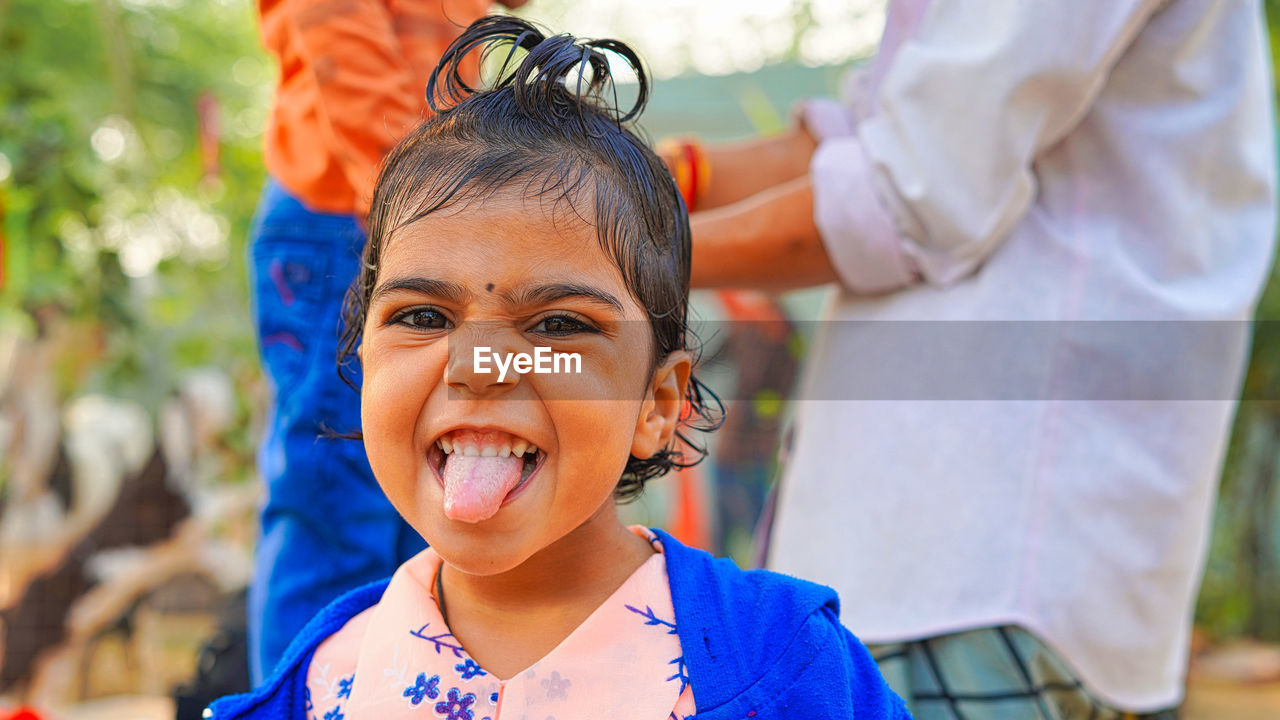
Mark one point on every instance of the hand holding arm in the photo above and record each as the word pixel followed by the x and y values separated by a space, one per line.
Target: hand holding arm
pixel 930 184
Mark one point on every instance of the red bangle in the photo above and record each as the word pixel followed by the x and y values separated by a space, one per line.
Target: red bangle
pixel 689 167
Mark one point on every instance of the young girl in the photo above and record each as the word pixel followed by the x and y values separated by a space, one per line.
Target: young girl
pixel 522 217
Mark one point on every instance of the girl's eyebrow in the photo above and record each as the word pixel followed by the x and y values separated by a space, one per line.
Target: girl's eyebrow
pixel 551 292
pixel 443 289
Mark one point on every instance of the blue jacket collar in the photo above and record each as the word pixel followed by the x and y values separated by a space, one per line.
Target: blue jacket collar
pixel 733 625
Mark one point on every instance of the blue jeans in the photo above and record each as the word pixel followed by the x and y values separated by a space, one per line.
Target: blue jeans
pixel 326 527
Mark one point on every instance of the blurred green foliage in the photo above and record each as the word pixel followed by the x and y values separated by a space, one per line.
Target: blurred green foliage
pixel 1241 590
pixel 102 172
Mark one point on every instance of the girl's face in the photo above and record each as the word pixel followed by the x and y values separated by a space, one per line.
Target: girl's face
pixel 505 274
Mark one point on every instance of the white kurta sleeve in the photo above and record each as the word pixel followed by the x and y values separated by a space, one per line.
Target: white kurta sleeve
pixel 937 175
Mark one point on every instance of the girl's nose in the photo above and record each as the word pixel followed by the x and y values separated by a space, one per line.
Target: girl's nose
pixel 483 359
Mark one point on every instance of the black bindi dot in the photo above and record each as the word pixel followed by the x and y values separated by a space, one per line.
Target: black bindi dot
pixel 489 287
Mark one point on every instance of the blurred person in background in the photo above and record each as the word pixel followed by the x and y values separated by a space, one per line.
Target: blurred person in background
pixel 352 81
pixel 1023 533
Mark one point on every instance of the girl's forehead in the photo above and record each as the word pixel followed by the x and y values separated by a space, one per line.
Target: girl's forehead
pixel 502 243
pixel 503 217
pixel 495 233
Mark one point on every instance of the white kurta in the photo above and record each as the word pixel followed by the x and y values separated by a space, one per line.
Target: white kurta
pixel 1054 163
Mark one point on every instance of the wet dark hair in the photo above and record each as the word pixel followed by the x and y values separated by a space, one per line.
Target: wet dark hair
pixel 547 128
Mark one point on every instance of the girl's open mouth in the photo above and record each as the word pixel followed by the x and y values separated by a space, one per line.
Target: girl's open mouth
pixel 482 470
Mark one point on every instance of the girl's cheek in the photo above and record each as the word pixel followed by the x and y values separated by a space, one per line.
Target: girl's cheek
pixel 407 364
pixel 601 379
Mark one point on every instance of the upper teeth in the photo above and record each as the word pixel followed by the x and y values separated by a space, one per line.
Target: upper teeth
pixel 517 449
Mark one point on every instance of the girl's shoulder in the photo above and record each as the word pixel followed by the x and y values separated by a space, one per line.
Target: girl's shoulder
pixel 706 586
pixel 275 697
pixel 331 672
pixel 766 644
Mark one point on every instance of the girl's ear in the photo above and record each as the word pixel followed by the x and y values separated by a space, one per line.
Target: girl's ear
pixel 663 403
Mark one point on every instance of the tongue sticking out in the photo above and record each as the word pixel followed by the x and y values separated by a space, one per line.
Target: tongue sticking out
pixel 474 487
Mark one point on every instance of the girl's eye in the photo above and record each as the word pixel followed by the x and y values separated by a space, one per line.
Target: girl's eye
pixel 561 325
pixel 423 319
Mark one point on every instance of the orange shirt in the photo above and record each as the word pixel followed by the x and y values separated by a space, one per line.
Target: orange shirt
pixel 353 77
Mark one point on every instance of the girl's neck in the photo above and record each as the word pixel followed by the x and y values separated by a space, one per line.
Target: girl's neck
pixel 509 621
pixel 594 558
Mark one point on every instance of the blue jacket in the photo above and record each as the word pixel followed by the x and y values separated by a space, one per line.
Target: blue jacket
pixel 756 645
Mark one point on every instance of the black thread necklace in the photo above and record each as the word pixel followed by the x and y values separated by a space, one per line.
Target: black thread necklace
pixel 444 615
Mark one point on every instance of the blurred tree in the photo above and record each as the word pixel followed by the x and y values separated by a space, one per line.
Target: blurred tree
pixel 113 212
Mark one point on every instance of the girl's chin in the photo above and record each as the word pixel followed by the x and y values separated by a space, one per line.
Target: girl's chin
pixel 484 548
pixel 479 561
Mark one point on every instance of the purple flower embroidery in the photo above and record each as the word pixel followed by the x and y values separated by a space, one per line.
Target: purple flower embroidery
pixel 344 686
pixel 334 714
pixel 469 668
pixel 556 686
pixel 423 688
pixel 457 708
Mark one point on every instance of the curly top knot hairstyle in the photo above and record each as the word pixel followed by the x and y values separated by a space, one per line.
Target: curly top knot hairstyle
pixel 550 125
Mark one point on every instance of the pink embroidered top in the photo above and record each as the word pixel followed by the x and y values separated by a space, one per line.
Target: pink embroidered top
pixel 398 659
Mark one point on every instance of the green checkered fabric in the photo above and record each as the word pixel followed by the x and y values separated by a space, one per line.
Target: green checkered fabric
pixel 999 673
